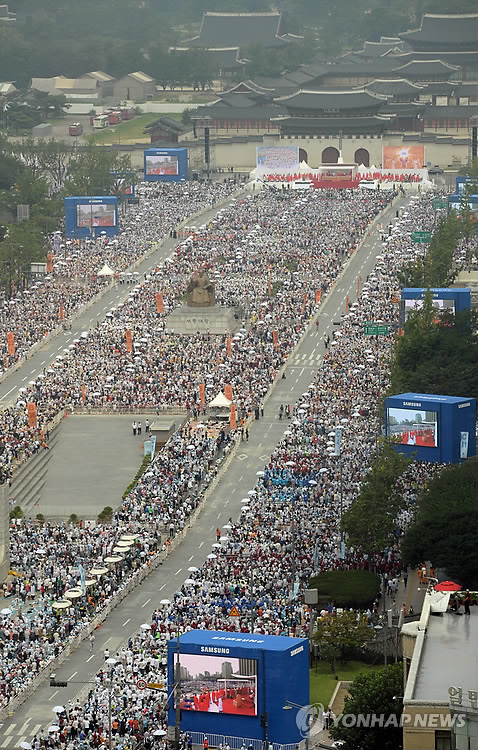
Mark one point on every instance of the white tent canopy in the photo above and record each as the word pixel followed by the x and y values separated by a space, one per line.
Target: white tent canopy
pixel 106 271
pixel 220 401
pixel 304 167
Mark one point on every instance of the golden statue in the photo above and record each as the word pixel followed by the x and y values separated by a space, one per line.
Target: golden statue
pixel 200 291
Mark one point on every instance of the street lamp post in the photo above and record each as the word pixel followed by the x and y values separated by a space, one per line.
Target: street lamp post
pixel 308 715
pixel 111 663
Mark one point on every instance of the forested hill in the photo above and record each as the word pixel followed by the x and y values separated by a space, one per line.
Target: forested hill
pixel 52 37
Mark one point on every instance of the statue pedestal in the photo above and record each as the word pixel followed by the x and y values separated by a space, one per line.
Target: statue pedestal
pixel 191 320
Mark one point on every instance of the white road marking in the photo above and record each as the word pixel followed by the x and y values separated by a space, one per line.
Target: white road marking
pixel 146 602
pixel 162 587
pixel 53 695
pixel 127 621
pixel 201 545
pixel 90 657
pixel 24 378
pixel 36 729
pixel 190 558
pixel 73 675
pixel 178 572
pixel 24 727
pixel 10 728
pixel 6 741
pixel 5 396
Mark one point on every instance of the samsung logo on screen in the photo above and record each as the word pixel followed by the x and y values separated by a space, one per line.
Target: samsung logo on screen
pixel 297 651
pixel 240 640
pixel 462 406
pixel 214 650
pixel 411 403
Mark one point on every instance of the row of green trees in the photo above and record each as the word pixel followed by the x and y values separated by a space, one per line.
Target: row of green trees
pixel 434 356
pixel 40 174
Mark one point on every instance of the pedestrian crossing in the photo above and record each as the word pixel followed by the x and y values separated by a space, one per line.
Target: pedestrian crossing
pixel 311 358
pixel 12 733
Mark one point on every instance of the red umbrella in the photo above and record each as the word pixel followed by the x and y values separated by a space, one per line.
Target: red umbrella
pixel 448 586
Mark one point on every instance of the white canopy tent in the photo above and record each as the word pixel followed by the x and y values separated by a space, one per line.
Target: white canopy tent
pixel 106 271
pixel 220 401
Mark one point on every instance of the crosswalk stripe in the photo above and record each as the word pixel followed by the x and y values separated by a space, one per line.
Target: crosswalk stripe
pixel 24 728
pixel 35 729
pixel 10 728
pixel 6 741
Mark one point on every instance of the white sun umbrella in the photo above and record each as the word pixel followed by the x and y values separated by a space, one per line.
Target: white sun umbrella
pixel 190 581
pixel 61 605
pixel 98 571
pixel 212 556
pixel 217 545
pixel 159 732
pixel 73 593
pixel 165 601
pixel 245 501
pixel 251 492
pixel 128 537
pixel 113 559
pixel 344 420
pixel 227 526
pixel 58 709
pixel 145 626
pixel 323 470
pixel 25 745
pixel 54 728
pixel 290 463
pixel 193 569
pixel 6 611
pixel 260 473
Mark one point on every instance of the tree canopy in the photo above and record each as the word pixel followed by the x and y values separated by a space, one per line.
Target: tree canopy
pixel 373 693
pixel 370 521
pixel 445 529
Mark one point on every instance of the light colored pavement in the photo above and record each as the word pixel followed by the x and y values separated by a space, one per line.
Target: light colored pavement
pixel 93 462
pixel 224 502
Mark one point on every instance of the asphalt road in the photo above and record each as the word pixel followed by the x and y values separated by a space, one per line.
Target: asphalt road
pixel 223 503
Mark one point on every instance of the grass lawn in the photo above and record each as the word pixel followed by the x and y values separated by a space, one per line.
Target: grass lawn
pixel 129 131
pixel 323 684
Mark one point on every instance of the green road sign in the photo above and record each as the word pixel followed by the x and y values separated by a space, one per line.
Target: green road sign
pixel 437 203
pixel 375 329
pixel 421 236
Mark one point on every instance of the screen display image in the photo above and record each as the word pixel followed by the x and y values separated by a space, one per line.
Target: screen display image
pixel 96 215
pixel 441 305
pixel 277 158
pixel 162 164
pixel 218 684
pixel 414 426
pixel 403 157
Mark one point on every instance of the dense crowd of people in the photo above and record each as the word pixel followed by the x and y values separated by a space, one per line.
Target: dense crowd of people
pixel 288 527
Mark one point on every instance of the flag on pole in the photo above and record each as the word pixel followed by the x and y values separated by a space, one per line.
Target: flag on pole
pixel 159 303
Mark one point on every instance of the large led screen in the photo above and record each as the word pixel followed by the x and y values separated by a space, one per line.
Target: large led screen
pixel 162 164
pixel 96 215
pixel 441 305
pixel 403 157
pixel 413 426
pixel 277 158
pixel 217 684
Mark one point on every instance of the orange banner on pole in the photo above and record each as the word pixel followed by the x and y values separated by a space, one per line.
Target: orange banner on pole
pixel 358 286
pixel 202 393
pixel 233 419
pixel 159 303
pixel 269 286
pixel 228 392
pixel 304 302
pixel 61 314
pixel 318 295
pixel 275 339
pixel 49 263
pixel 129 340
pixel 228 346
pixel 11 343
pixel 83 394
pixel 32 414
pixel 347 304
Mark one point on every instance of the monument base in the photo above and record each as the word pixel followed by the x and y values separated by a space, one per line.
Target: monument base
pixel 215 319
